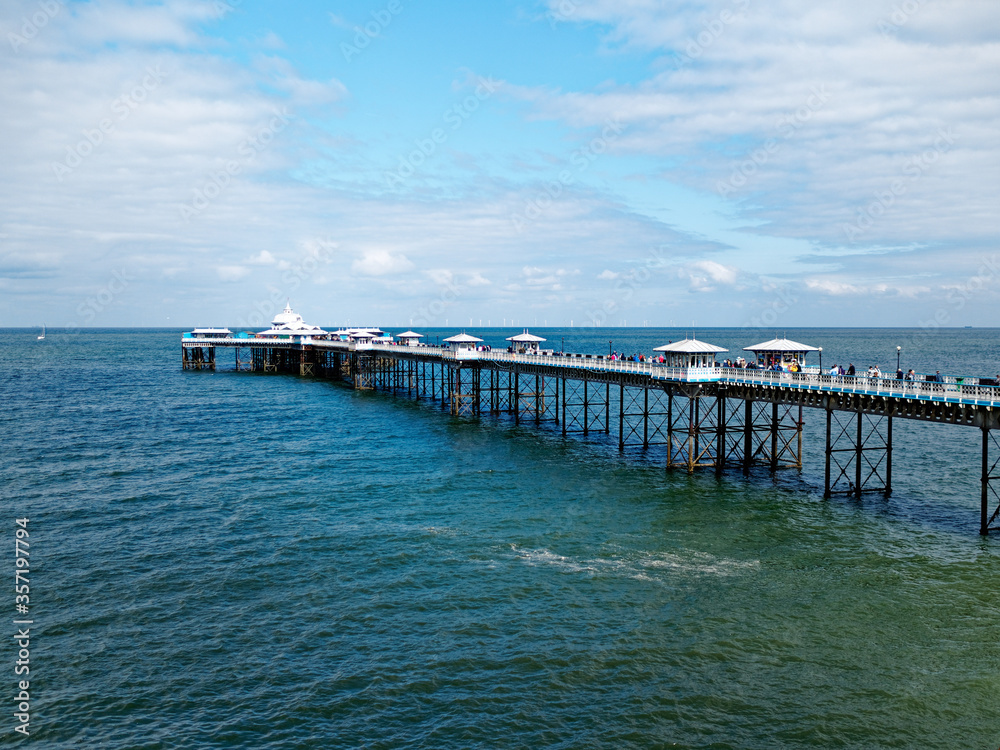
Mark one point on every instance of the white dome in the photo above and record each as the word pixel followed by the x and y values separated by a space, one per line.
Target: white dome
pixel 285 317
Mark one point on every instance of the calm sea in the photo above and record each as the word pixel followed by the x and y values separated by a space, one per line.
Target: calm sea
pixel 224 560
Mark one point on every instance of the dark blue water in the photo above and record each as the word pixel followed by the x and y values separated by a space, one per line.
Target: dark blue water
pixel 239 560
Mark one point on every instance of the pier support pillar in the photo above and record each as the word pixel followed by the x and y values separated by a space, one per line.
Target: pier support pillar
pixel 517 397
pixel 747 435
pixel 720 446
pixel 858 449
pixel 645 418
pixel 564 417
pixel 636 407
pixel 989 476
pixel 693 429
pixel 621 415
pixel 828 452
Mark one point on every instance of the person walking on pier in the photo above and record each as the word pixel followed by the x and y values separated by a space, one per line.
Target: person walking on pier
pixel 850 370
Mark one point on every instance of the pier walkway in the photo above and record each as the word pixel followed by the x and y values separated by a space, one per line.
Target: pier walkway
pixel 707 417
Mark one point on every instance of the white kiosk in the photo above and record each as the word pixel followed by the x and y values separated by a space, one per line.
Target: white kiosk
pixel 790 355
pixel 211 333
pixel 525 343
pixel 464 345
pixel 410 338
pixel 690 353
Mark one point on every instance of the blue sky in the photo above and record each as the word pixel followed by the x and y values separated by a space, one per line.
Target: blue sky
pixel 729 162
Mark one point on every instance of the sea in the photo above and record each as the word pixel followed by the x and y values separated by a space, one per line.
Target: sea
pixel 241 560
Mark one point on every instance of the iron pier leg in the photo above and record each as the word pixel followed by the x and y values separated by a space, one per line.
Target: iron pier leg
pixel 697 431
pixel 537 415
pixel 670 428
pixel 888 457
pixel 692 445
pixel 557 400
pixel 720 441
pixel 829 452
pixel 774 437
pixel 985 499
pixel 477 388
pixel 798 457
pixel 517 397
pixel 747 435
pixel 645 419
pixel 586 426
pixel 564 407
pixel 607 407
pixel 621 416
pixel 857 456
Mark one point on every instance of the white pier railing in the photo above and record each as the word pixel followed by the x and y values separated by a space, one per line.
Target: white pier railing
pixel 951 390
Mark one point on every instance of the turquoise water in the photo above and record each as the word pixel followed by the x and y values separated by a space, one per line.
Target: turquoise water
pixel 228 560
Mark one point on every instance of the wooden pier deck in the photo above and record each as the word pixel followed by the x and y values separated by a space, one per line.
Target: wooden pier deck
pixel 707 417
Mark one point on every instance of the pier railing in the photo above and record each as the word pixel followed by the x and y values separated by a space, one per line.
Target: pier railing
pixel 952 389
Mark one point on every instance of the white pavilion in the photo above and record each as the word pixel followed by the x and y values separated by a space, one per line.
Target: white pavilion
pixel 463 345
pixel 780 351
pixel 525 343
pixel 289 324
pixel 410 338
pixel 690 353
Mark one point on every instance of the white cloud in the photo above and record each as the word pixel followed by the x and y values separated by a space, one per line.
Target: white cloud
pixel 263 258
pixel 583 242
pixel 719 273
pixel 381 263
pixel 803 115
pixel 232 273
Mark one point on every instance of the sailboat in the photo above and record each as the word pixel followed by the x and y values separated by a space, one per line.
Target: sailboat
pixel 43 333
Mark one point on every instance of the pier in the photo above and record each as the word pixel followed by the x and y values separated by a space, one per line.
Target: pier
pixel 707 416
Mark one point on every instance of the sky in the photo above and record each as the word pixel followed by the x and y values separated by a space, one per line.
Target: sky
pixel 753 163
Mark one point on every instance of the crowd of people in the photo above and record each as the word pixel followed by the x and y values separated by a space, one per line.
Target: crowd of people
pixel 615 356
